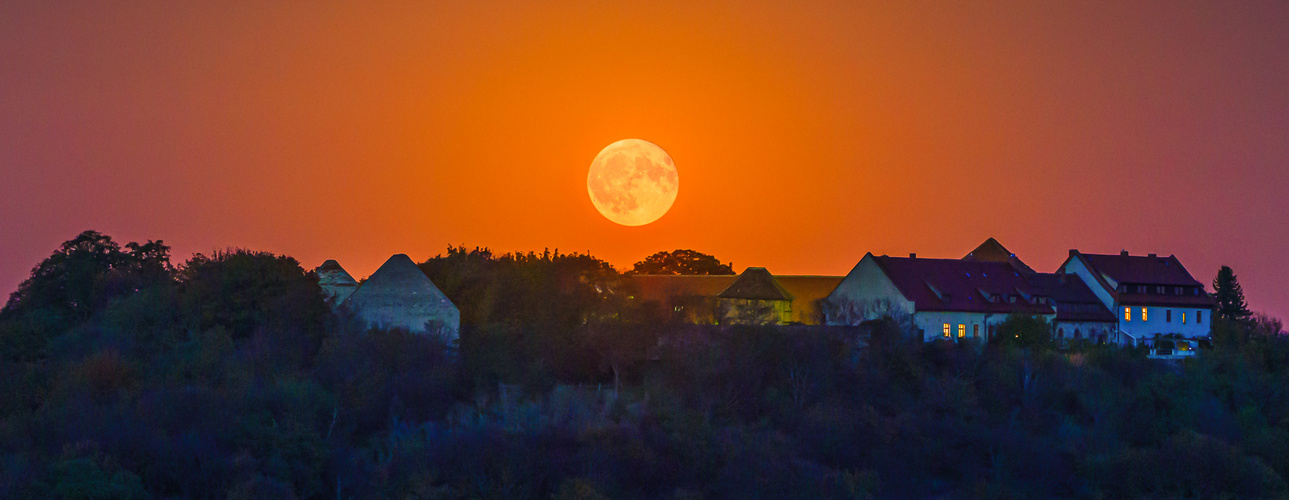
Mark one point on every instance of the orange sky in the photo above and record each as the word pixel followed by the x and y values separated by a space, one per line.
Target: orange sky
pixel 804 135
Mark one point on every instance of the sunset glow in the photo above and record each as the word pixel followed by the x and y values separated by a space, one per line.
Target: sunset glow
pixel 356 131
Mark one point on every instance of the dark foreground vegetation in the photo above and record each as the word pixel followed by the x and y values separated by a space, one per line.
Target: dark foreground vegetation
pixel 123 377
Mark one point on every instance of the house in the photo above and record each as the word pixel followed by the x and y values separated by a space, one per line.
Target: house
pixel 1080 315
pixel 755 298
pixel 942 298
pixel 337 285
pixel 696 299
pixel 399 295
pixel 1149 295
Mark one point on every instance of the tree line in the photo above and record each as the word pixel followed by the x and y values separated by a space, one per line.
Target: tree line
pixel 226 376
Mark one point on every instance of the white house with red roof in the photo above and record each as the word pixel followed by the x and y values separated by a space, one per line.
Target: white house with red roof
pixel 1149 295
pixel 945 298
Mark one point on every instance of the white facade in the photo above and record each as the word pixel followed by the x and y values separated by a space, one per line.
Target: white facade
pixel 957 323
pixel 867 293
pixel 1138 319
pixel 1146 321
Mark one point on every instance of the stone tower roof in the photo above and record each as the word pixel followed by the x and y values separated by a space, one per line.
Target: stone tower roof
pixel 336 282
pixel 399 295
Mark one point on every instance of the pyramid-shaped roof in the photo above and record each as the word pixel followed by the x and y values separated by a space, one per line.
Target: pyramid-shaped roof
pixel 399 295
pixel 993 251
pixel 335 281
pixel 990 251
pixel 756 283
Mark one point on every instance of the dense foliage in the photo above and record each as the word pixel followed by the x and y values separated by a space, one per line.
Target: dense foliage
pixel 226 378
pixel 681 262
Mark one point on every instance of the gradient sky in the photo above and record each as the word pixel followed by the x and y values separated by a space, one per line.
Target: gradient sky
pixel 805 135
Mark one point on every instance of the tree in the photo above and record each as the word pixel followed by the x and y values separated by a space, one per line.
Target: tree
pixel 1025 331
pixel 686 262
pixel 1230 296
pixel 88 271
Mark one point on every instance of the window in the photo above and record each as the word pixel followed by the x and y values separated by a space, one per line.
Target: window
pixel 962 330
pixel 975 331
pixel 946 330
pixel 1168 315
pixel 1127 314
pixel 1183 317
pixel 1199 317
pixel 1143 315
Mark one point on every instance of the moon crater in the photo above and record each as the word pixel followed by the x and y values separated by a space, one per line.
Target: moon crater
pixel 632 182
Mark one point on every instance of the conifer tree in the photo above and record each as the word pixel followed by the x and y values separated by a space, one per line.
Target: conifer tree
pixel 1230 296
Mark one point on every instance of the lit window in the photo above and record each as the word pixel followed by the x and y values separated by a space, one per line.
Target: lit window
pixel 1183 317
pixel 1143 315
pixel 946 330
pixel 1127 314
pixel 962 330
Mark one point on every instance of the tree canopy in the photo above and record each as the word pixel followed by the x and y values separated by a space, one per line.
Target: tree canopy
pixel 1230 296
pixel 681 261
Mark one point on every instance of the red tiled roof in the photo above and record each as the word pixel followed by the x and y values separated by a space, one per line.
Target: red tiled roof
pixel 1073 299
pixel 962 285
pixel 1141 269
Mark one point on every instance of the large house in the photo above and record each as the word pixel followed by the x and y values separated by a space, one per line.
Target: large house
pixel 1149 295
pixel 943 298
pixel 1080 315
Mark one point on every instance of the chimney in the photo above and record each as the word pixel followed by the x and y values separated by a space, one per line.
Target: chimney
pixel 1123 253
pixel 1073 252
pixel 1151 255
pixel 913 255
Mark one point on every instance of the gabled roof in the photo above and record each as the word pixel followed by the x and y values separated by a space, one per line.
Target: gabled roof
pixel 1073 299
pixel 756 283
pixel 962 285
pixel 1148 271
pixel 1142 269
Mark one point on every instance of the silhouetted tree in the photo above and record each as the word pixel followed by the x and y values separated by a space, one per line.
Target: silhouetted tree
pixel 242 291
pixel 681 262
pixel 1230 296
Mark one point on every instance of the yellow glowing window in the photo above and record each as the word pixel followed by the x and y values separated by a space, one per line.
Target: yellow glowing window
pixel 946 329
pixel 1183 318
pixel 1143 315
pixel 1127 314
pixel 962 330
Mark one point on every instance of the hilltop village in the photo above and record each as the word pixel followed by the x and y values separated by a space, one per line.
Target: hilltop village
pixel 242 374
pixel 1117 299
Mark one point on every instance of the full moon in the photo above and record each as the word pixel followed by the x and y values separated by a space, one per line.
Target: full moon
pixel 632 182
